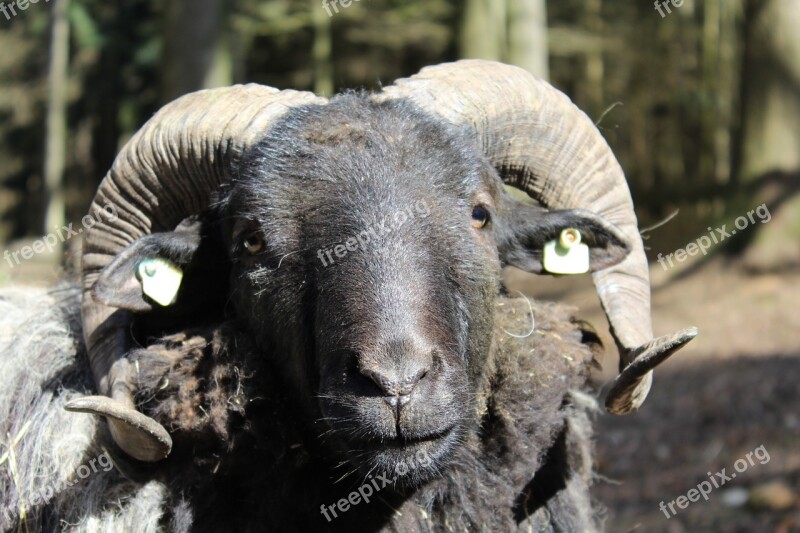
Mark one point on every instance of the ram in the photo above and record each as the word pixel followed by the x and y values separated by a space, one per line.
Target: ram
pixel 331 316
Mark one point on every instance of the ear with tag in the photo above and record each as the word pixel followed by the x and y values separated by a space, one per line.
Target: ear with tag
pixel 149 272
pixel 160 280
pixel 567 241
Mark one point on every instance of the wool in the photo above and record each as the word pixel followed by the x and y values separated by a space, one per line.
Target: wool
pixel 245 459
pixel 44 365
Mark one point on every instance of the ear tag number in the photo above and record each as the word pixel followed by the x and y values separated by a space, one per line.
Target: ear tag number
pixel 567 255
pixel 160 280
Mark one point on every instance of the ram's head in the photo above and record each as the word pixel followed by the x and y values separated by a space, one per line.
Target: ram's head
pixel 361 240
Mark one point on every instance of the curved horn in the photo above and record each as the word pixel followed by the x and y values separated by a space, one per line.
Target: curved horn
pixel 166 172
pixel 540 142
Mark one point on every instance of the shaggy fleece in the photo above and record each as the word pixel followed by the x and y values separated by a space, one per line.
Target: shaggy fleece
pixel 245 461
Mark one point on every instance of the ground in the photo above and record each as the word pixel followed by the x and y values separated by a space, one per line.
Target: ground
pixel 731 391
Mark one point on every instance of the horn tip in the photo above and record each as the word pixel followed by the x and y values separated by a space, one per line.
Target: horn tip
pixel 136 434
pixel 630 388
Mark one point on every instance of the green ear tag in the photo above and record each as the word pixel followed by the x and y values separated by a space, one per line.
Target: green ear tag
pixel 567 255
pixel 160 280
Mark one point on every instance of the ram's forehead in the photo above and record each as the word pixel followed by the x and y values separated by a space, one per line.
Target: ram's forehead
pixel 355 156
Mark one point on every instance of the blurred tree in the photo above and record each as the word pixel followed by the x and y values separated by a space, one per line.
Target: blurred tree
pixel 772 88
pixel 721 68
pixel 23 96
pixel 196 52
pixel 594 56
pixel 56 130
pixel 322 51
pixel 483 34
pixel 115 77
pixel 512 31
pixel 527 36
pixel 677 77
pixel 770 141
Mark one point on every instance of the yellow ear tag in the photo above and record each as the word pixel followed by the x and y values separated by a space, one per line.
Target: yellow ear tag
pixel 160 280
pixel 567 255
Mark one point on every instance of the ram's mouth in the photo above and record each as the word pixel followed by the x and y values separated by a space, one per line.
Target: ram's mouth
pixel 402 443
pixel 371 440
pixel 405 461
pixel 405 442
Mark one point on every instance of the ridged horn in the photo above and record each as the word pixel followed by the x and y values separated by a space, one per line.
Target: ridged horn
pixel 166 172
pixel 540 142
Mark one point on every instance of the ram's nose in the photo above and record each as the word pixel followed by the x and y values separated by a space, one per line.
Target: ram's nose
pixel 396 391
pixel 397 370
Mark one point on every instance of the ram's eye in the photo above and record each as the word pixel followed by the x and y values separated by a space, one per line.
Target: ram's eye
pixel 253 243
pixel 480 217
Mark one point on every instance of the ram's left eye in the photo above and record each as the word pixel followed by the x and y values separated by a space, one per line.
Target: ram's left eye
pixel 480 217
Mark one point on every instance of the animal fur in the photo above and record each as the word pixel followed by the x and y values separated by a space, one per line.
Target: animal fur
pixel 245 461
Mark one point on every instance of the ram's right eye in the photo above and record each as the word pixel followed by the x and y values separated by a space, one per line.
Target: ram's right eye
pixel 480 217
pixel 253 243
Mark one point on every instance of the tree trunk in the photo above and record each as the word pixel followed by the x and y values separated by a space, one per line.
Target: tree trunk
pixel 710 118
pixel 197 54
pixel 483 34
pixel 594 58
pixel 322 51
pixel 56 129
pixel 770 142
pixel 527 36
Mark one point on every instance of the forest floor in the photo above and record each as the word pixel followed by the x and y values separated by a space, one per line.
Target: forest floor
pixel 734 389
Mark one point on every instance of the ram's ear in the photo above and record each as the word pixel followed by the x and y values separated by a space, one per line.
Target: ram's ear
pixel 119 284
pixel 523 230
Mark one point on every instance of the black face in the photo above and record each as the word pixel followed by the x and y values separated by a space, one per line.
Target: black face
pixel 366 264
pixel 364 243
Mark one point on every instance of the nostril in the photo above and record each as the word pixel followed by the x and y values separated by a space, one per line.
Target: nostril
pixel 408 384
pixel 396 393
pixel 386 385
pixel 397 367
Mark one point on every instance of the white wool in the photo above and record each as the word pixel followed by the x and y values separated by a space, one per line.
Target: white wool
pixel 43 367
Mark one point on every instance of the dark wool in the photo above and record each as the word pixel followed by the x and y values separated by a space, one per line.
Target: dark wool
pixel 245 460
